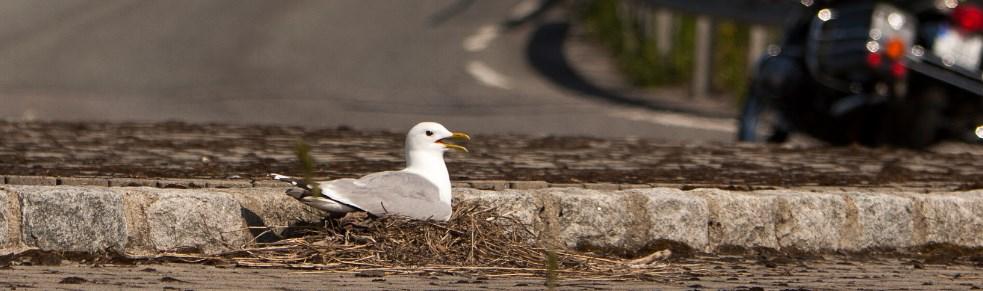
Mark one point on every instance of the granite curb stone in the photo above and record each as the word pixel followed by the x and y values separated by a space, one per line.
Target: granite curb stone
pixel 627 222
pixel 518 205
pixel 581 227
pixel 6 219
pixel 746 220
pixel 146 220
pixel 269 213
pixel 880 221
pixel 809 222
pixel 207 222
pixel 955 218
pixel 71 218
pixel 675 215
pixel 136 200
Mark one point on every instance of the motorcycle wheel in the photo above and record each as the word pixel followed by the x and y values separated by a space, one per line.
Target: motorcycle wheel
pixel 757 115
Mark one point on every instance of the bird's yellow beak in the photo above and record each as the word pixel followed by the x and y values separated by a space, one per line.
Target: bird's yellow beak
pixel 460 136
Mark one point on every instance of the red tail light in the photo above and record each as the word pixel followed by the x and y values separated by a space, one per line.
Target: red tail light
pixel 874 60
pixel 898 70
pixel 968 17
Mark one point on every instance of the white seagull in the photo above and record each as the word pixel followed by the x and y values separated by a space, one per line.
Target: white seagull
pixel 422 190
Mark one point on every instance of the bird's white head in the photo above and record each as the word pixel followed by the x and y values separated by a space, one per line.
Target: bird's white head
pixel 433 137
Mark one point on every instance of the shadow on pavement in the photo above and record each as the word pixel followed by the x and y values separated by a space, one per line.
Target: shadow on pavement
pixel 545 53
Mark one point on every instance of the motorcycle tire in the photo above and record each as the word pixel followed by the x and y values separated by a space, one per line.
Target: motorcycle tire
pixel 747 124
pixel 754 109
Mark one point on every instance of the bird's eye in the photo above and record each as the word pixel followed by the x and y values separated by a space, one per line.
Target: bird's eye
pixel 429 133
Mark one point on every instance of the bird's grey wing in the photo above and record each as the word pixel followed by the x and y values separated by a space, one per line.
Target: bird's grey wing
pixel 390 193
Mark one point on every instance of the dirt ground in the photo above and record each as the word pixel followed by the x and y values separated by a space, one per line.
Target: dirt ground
pixel 180 150
pixel 719 272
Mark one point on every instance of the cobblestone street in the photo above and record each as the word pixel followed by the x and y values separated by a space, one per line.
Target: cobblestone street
pixel 734 273
pixel 179 150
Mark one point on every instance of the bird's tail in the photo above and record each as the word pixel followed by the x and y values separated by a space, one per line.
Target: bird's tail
pixel 306 194
pixel 297 182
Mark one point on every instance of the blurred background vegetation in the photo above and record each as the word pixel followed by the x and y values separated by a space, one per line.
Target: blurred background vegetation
pixel 637 56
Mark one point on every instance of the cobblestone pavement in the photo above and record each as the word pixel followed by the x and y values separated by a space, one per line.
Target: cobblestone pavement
pixel 734 273
pixel 180 150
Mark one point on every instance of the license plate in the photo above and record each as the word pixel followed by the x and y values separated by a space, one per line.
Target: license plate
pixel 960 49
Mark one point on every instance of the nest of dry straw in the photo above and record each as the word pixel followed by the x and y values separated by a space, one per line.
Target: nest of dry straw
pixel 473 236
pixel 474 239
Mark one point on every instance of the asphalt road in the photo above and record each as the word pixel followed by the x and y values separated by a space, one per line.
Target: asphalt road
pixel 365 64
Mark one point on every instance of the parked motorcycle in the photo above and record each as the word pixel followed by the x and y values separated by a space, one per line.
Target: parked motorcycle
pixel 872 72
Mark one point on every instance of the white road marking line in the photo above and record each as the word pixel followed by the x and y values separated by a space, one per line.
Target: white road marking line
pixel 677 119
pixel 487 76
pixel 481 39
